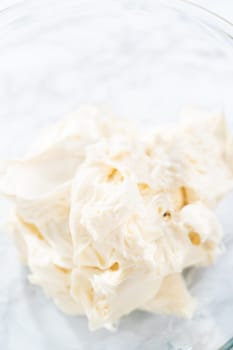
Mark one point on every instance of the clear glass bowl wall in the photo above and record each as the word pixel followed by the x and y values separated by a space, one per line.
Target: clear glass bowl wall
pixel 146 61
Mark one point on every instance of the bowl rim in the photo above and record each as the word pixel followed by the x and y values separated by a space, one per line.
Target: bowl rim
pixel 205 16
pixel 195 12
pixel 228 345
pixel 183 5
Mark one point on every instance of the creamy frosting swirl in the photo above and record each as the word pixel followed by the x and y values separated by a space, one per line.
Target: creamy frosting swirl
pixel 107 216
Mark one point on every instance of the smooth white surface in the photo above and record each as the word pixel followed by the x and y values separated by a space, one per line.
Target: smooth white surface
pixel 30 321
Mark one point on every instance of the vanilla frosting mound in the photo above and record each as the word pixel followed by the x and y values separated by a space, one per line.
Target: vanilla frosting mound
pixel 107 216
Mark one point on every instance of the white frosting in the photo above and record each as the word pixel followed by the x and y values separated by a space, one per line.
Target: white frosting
pixel 107 217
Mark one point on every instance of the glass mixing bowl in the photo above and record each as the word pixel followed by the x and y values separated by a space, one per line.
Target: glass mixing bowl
pixel 147 60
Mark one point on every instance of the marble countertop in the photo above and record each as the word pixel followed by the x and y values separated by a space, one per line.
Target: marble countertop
pixel 30 321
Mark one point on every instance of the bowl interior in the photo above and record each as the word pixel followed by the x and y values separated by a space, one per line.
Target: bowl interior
pixel 144 61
